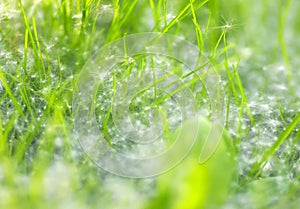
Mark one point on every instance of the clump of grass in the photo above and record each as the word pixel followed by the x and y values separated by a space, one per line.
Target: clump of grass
pixel 43 47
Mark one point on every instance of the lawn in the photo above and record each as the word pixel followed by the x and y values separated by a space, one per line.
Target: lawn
pixel 147 104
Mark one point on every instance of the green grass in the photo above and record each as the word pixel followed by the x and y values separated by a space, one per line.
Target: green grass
pixel 250 46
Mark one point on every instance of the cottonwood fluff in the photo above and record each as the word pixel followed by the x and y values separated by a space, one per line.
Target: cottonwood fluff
pixel 134 93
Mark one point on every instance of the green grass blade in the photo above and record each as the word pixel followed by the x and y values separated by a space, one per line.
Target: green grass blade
pixel 259 165
pixel 10 94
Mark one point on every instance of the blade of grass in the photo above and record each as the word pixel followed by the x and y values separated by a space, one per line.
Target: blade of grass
pixel 38 48
pixel 5 148
pixel 10 94
pixel 180 15
pixel 259 165
pixel 284 9
pixel 154 13
pixel 242 92
pixel 197 29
